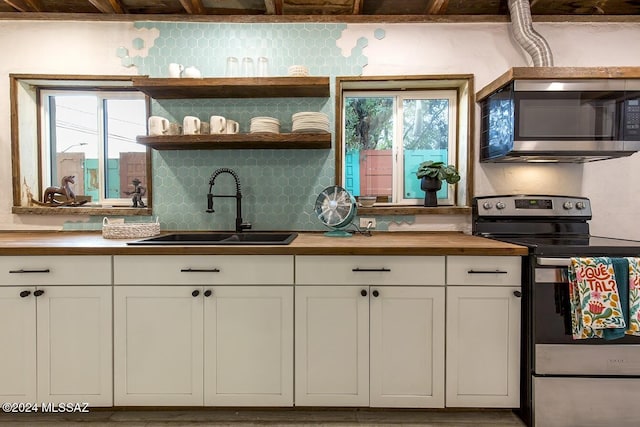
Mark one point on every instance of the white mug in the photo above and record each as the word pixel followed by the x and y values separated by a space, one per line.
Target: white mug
pixel 217 124
pixel 191 72
pixel 175 70
pixel 174 129
pixel 158 125
pixel 233 126
pixel 191 125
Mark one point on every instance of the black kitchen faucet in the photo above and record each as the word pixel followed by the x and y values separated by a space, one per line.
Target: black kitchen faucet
pixel 240 225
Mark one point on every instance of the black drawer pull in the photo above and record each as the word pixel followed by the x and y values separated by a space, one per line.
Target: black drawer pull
pixel 363 292
pixel 38 293
pixel 195 293
pixel 24 294
pixel 517 294
pixel 487 272
pixel 358 269
pixel 200 270
pixel 44 270
pixel 208 293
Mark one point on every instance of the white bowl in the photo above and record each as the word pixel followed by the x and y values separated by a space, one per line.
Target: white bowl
pixel 367 201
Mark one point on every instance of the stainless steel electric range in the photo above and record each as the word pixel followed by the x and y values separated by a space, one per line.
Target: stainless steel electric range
pixel 564 382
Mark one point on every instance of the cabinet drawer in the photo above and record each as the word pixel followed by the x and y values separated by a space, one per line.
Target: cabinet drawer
pixel 484 270
pixel 370 270
pixel 55 270
pixel 203 270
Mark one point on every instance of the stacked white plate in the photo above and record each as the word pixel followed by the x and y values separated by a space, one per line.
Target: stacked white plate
pixel 309 121
pixel 298 71
pixel 265 124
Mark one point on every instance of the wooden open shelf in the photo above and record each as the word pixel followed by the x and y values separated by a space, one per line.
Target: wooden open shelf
pixel 238 141
pixel 232 87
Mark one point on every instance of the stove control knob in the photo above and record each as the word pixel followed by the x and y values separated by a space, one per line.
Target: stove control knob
pixel 487 205
pixel 500 205
pixel 580 205
pixel 568 205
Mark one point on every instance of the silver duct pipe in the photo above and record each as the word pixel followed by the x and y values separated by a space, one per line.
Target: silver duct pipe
pixel 526 36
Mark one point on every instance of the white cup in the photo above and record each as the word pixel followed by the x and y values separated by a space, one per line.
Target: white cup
pixel 191 125
pixel 175 70
pixel 174 129
pixel 217 124
pixel 192 72
pixel 233 126
pixel 158 125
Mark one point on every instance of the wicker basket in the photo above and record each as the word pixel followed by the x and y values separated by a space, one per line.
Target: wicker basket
pixel 132 230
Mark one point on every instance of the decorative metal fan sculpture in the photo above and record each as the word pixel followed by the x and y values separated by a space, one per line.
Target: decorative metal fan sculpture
pixel 336 208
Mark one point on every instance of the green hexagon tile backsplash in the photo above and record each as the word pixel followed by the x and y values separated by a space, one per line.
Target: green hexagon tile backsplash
pixel 279 187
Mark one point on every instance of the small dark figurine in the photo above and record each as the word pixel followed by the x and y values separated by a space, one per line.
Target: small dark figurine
pixel 64 190
pixel 138 192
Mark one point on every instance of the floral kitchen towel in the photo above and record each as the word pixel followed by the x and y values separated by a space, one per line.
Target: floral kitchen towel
pixel 595 301
pixel 634 296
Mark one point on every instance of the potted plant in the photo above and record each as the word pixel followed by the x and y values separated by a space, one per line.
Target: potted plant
pixel 432 174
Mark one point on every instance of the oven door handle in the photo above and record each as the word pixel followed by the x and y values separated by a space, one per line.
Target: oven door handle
pixel 561 262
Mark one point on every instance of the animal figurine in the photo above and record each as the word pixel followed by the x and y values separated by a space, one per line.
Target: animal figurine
pixel 138 192
pixel 64 189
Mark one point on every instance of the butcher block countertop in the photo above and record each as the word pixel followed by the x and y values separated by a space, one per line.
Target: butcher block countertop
pixel 307 243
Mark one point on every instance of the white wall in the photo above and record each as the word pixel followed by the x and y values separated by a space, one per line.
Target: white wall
pixel 485 50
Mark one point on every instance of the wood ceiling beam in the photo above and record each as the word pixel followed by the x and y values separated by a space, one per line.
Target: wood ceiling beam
pixel 109 6
pixel 26 5
pixel 273 7
pixel 357 7
pixel 193 7
pixel 437 7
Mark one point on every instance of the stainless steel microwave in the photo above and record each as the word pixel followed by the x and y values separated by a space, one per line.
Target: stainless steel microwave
pixel 561 121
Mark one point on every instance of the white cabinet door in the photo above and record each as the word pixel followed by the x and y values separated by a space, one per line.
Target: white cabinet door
pixel 248 349
pixel 74 345
pixel 483 346
pixel 18 345
pixel 407 347
pixel 158 345
pixel 332 346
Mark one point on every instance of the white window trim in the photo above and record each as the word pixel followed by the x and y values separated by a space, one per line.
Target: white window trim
pixel 398 165
pixel 46 135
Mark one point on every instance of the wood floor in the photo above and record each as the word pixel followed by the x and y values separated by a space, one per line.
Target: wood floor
pixel 261 417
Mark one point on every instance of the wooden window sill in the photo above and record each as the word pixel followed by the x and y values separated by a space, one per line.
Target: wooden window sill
pixel 81 210
pixel 414 210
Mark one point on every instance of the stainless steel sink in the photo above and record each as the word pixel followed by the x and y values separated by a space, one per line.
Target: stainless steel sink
pixel 214 238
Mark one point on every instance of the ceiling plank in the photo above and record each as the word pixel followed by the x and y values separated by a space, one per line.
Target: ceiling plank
pixel 357 7
pixel 437 7
pixel 109 6
pixel 273 7
pixel 26 5
pixel 193 7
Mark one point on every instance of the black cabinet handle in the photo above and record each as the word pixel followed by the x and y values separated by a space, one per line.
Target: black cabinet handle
pixel 38 293
pixel 42 270
pixel 375 294
pixel 358 269
pixel 25 294
pixel 200 270
pixel 208 293
pixel 487 272
pixel 195 293
pixel 363 293
pixel 517 294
